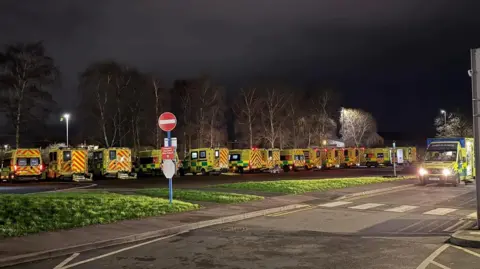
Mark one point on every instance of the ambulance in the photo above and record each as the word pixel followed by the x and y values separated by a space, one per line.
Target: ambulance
pixel 271 159
pixel 22 164
pixel 333 158
pixel 314 158
pixel 246 160
pixel 149 162
pixel 377 157
pixel 112 163
pixel 448 160
pixel 68 163
pixel 206 161
pixel 292 159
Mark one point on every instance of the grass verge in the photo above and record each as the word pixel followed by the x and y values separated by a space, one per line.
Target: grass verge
pixel 206 196
pixel 303 186
pixel 32 213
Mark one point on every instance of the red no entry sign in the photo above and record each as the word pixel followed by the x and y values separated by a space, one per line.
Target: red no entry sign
pixel 167 121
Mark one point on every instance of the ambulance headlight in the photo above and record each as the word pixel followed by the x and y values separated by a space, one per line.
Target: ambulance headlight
pixel 422 171
pixel 447 172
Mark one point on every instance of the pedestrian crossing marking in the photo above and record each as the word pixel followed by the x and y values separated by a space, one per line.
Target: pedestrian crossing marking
pixel 403 208
pixel 472 216
pixel 335 204
pixel 366 206
pixel 440 211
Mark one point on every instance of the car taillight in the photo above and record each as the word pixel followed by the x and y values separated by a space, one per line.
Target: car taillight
pixel 41 167
pixel 15 168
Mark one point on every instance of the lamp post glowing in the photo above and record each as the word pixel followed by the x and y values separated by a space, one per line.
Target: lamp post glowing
pixel 66 117
pixel 444 115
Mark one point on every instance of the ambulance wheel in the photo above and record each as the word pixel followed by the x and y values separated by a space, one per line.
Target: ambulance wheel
pixel 181 172
pixel 204 172
pixel 194 173
pixel 286 168
pixel 422 182
pixel 240 170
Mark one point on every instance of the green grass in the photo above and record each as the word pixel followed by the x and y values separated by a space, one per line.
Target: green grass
pixel 303 186
pixel 206 196
pixel 32 213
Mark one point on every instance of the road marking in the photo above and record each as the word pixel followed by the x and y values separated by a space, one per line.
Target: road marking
pixel 452 228
pixel 117 251
pixel 468 224
pixel 410 226
pixel 400 209
pixel 440 211
pixel 366 206
pixel 440 265
pixel 432 256
pixel 67 260
pixel 289 212
pixel 467 251
pixel 472 216
pixel 334 204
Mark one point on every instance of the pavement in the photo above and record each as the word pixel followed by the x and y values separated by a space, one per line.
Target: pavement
pixel 406 227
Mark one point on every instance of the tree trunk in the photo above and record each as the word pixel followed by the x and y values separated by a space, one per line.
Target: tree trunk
pixel 17 125
pixel 250 131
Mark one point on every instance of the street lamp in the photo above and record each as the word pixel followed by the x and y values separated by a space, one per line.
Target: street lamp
pixel 444 115
pixel 66 117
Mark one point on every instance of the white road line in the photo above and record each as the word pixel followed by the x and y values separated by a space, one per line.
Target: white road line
pixel 366 206
pixel 67 260
pixel 452 228
pixel 432 256
pixel 440 265
pixel 467 251
pixel 400 209
pixel 472 216
pixel 118 251
pixel 334 204
pixel 440 211
pixel 467 224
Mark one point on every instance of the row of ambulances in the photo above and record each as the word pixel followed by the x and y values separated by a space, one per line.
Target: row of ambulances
pixel 77 164
pixel 219 160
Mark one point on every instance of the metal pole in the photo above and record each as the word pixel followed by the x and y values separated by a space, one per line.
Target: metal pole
pixel 475 62
pixel 170 187
pixel 67 129
pixel 394 157
pixel 445 115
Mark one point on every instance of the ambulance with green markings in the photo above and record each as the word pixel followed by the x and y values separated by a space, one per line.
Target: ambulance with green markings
pixel 205 161
pixel 448 160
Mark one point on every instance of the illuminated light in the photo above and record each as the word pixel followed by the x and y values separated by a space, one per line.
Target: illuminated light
pixel 155 159
pixel 446 172
pixel 422 171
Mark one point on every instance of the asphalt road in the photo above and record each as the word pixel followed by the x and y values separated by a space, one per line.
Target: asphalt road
pixel 198 181
pixel 401 229
pixel 34 187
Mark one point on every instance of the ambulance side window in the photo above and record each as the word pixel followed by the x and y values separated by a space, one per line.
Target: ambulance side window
pixel 270 154
pixel 217 153
pixel 203 154
pixel 336 153
pixel 53 156
pixel 112 154
pixel 194 155
pixel 97 156
pixel 345 152
pixel 356 152
pixel 318 153
pixel 67 156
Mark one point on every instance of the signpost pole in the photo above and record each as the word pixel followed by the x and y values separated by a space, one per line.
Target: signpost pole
pixel 170 184
pixel 475 61
pixel 394 158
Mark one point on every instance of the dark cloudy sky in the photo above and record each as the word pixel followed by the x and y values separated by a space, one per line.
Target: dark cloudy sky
pixel 402 60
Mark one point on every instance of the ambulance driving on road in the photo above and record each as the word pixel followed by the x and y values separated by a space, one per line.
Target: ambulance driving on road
pixel 448 160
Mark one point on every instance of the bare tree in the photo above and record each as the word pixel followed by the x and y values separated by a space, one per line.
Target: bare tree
pixel 356 126
pixel 323 124
pixel 456 125
pixel 247 109
pixel 26 73
pixel 273 105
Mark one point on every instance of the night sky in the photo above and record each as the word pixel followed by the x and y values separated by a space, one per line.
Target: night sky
pixel 401 60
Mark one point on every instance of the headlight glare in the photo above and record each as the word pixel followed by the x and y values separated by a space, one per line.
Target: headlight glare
pixel 446 172
pixel 422 171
